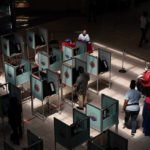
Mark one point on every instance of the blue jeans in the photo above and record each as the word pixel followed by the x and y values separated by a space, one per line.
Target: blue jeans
pixel 133 115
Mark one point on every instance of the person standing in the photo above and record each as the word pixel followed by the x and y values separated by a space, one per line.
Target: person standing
pixel 143 28
pixel 92 10
pixel 146 116
pixel 84 37
pixel 131 106
pixel 143 83
pixel 81 86
pixel 15 120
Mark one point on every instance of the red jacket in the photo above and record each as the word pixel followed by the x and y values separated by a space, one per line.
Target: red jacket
pixel 146 79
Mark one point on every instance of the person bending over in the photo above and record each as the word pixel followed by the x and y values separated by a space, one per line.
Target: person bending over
pixel 131 106
pixel 81 87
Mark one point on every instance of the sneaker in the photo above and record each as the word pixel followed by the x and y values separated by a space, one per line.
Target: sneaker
pixel 132 133
pixel 80 108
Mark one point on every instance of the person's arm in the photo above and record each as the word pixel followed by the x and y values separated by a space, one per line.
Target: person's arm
pixel 124 105
pixel 87 38
pixel 79 37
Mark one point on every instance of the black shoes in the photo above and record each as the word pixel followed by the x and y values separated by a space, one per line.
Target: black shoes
pixel 80 108
pixel 132 134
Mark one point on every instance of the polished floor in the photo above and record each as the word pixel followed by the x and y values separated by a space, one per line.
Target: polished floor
pixel 115 34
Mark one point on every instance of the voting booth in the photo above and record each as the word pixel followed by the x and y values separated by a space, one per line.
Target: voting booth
pixel 71 136
pixel 12 46
pixel 18 73
pixel 71 50
pixel 52 62
pixel 105 117
pixel 34 142
pixel 70 71
pixel 84 46
pixel 44 85
pixel 108 140
pixel 100 64
pixel 37 38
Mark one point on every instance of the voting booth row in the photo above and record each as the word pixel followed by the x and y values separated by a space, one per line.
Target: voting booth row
pixel 100 119
pixel 44 85
pixel 94 65
pixel 33 143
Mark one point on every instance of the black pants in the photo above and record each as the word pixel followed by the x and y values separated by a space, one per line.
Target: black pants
pixel 133 115
pixel 17 133
pixel 143 36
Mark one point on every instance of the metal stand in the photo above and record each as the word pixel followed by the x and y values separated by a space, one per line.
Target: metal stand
pixel 122 70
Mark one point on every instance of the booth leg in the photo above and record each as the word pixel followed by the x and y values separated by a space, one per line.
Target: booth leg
pixel 109 79
pixel 72 98
pixel 97 84
pixel 42 109
pixel 116 128
pixel 28 52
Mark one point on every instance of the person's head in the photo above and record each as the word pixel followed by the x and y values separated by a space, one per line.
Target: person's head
pixel 81 70
pixel 132 84
pixel 148 66
pixel 84 32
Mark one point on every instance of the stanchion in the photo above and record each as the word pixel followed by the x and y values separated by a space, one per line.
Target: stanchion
pixel 122 70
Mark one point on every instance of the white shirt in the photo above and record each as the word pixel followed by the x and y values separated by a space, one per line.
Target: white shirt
pixel 143 22
pixel 83 38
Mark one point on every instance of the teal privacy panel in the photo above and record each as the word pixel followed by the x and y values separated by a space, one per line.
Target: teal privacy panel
pixel 109 105
pixel 5 46
pixel 37 88
pixel 92 64
pixel 80 63
pixel 67 52
pixel 56 52
pixel 43 60
pixel 92 146
pixel 70 62
pixel 62 133
pixel 36 146
pixel 19 39
pixel 95 116
pixel 10 74
pixel 54 77
pixel 15 92
pixel 25 76
pixel 32 138
pixel 30 39
pixel 7 147
pixel 77 116
pixel 67 75
pixel 80 129
pixel 117 141
pixel 56 66
pixel 44 33
pixel 105 55
pixel 82 57
pixel 82 47
pixel 26 64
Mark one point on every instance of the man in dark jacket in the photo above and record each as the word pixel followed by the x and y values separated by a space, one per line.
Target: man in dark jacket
pixel 81 87
pixel 15 120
